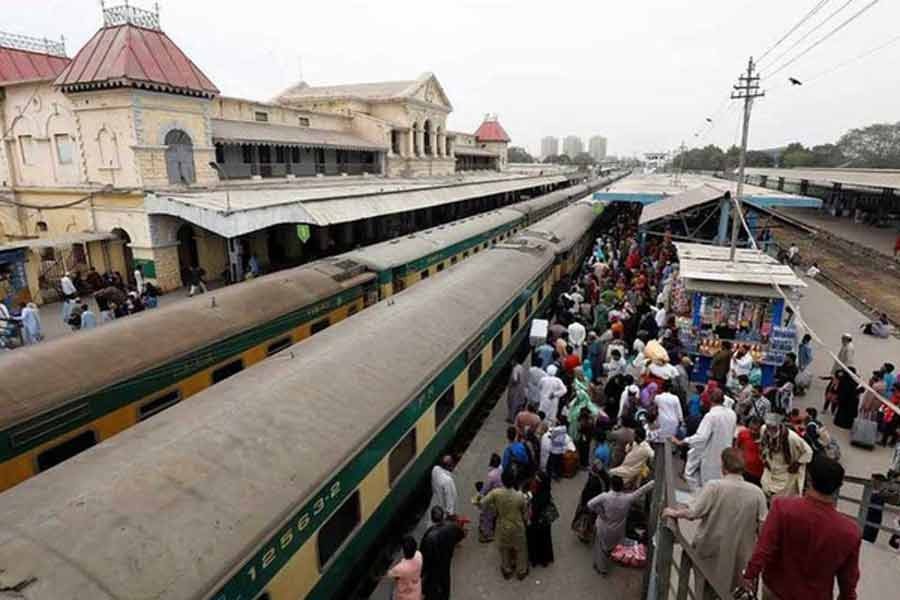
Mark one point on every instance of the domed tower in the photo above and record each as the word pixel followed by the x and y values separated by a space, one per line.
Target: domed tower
pixel 491 136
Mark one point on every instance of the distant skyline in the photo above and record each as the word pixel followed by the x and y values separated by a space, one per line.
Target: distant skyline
pixel 645 74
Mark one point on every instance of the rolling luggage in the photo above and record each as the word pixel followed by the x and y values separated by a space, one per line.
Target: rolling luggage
pixel 864 433
pixel 570 464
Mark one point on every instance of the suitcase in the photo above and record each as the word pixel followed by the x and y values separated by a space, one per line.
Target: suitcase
pixel 570 464
pixel 864 433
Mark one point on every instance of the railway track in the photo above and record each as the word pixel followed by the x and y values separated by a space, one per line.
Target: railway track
pixel 867 278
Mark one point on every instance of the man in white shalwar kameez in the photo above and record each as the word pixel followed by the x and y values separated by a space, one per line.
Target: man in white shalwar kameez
pixel 30 317
pixel 551 389
pixel 443 488
pixel 715 433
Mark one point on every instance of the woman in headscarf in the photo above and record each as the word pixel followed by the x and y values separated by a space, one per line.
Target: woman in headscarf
pixel 488 518
pixel 706 397
pixel 648 394
pixel 848 400
pixel 543 513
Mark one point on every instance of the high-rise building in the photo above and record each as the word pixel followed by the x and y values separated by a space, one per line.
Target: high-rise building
pixel 549 146
pixel 573 146
pixel 597 147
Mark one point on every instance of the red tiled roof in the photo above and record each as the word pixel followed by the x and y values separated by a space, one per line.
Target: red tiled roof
pixel 20 66
pixel 491 131
pixel 131 55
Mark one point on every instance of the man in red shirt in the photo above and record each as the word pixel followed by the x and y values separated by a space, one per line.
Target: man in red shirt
pixel 806 543
pixel 571 361
pixel 747 441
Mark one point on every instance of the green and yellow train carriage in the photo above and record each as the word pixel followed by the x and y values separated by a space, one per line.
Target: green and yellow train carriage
pixel 275 483
pixel 64 396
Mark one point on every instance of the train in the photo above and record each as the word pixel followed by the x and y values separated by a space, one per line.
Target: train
pixel 276 482
pixel 62 397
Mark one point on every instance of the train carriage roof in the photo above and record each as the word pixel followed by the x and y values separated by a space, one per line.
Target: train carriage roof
pixel 565 227
pixel 406 249
pixel 164 509
pixel 43 376
pixel 527 207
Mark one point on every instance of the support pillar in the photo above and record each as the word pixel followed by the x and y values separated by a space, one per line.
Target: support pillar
pixel 722 237
pixel 322 238
pixel 420 141
pixel 235 264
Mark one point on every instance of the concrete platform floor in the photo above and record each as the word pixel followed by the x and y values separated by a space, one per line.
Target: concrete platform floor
pixel 880 239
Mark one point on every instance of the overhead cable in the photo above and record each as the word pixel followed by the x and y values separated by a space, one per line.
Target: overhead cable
pixel 815 44
pixel 812 12
pixel 806 35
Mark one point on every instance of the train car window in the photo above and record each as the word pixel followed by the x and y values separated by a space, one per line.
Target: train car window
pixel 530 305
pixel 453 260
pixel 354 308
pixel 485 245
pixel 515 322
pixel 475 250
pixel 444 406
pixel 278 345
pixel 424 274
pixel 497 344
pixel 440 267
pixel 157 405
pixel 541 293
pixel 466 254
pixel 401 455
pixel 337 529
pixel 227 370
pixel 66 450
pixel 265 596
pixel 474 371
pixel 319 326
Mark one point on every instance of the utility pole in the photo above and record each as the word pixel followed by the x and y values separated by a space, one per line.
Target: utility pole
pixel 680 169
pixel 747 89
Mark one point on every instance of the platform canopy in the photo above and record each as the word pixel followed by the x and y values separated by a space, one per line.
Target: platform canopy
pixel 242 210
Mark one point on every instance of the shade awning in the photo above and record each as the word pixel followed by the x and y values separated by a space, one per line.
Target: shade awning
pixel 61 240
pixel 250 132
pixel 672 205
pixel 241 211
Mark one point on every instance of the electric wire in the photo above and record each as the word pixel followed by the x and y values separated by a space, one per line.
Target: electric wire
pixel 801 321
pixel 818 42
pixel 806 35
pixel 812 12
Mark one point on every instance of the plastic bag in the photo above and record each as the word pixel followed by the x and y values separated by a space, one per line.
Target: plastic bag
pixel 654 351
pixel 630 554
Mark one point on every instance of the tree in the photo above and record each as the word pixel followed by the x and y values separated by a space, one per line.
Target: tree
pixel 828 155
pixel 876 146
pixel 551 159
pixel 583 159
pixel 796 155
pixel 517 154
pixel 755 158
pixel 563 159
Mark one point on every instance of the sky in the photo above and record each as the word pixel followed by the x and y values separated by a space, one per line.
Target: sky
pixel 644 74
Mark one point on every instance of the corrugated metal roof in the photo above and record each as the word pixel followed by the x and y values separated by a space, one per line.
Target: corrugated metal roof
pixel 130 55
pixel 60 240
pixel 240 211
pixel 730 289
pixel 473 151
pixel 491 131
pixel 673 205
pixel 240 132
pixel 739 272
pixel 688 251
pixel 402 250
pixel 23 66
pixel 870 178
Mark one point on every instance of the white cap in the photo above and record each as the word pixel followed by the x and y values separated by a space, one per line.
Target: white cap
pixel 552 370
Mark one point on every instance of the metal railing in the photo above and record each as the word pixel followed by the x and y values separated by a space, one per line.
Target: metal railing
pixel 125 14
pixel 32 44
pixel 676 570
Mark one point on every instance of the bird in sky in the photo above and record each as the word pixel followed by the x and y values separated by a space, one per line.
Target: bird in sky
pixel 795 81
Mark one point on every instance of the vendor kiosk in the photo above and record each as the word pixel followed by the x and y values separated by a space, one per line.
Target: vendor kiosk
pixel 716 299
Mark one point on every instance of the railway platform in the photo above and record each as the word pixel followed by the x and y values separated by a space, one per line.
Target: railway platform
pixel 879 239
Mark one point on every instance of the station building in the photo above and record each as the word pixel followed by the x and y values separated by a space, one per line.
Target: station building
pixel 127 154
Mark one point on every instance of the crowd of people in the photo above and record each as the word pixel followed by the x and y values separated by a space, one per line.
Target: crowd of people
pixel 607 386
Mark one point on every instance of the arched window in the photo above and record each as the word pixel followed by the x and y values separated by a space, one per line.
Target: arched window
pixel 429 150
pixel 109 149
pixel 415 133
pixel 179 157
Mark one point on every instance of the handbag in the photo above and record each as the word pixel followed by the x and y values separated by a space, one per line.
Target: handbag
pixel 551 513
